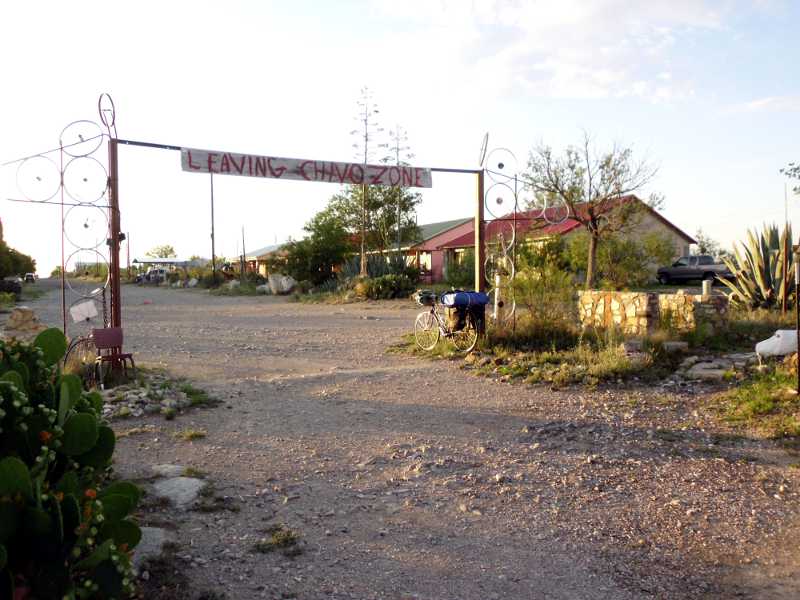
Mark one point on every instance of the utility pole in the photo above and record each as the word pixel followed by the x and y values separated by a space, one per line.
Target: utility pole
pixel 213 255
pixel 785 250
pixel 244 256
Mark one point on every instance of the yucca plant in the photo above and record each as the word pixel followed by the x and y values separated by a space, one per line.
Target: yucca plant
pixel 758 267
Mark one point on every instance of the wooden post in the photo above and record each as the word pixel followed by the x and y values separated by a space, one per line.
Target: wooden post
pixel 480 253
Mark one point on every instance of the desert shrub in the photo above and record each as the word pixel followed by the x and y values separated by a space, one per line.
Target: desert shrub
pixel 622 262
pixel 7 299
pixel 211 280
pixel 543 287
pixel 64 530
pixel 11 287
pixel 386 287
pixel 461 275
pixel 173 277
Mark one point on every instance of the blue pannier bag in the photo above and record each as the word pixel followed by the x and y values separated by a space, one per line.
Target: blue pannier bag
pixel 461 299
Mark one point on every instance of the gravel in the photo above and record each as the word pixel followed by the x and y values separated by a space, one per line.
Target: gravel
pixel 412 479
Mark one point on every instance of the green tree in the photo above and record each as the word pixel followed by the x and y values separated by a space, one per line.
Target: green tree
pixel 707 245
pixel 162 251
pixel 589 187
pixel 13 262
pixel 315 257
pixel 622 261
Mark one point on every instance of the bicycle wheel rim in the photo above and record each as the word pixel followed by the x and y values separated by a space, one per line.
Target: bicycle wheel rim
pixel 426 331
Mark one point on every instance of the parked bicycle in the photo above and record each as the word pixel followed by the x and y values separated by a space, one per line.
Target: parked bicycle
pixel 461 318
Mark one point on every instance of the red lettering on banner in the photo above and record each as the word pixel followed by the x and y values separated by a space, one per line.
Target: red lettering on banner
pixel 250 165
pixel 319 171
pixel 191 164
pixel 261 166
pixel 407 176
pixel 211 160
pixel 356 178
pixel 275 171
pixel 239 167
pixel 335 172
pixel 376 177
pixel 394 176
pixel 418 177
pixel 225 164
pixel 302 169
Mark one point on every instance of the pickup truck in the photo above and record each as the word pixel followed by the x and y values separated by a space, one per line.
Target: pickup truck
pixel 687 268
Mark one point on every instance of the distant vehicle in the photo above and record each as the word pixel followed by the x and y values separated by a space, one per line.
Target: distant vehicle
pixel 688 268
pixel 153 275
pixel 30 277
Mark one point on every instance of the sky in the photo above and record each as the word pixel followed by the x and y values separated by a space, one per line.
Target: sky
pixel 706 91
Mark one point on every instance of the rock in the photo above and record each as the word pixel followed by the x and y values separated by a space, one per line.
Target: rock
pixel 689 362
pixel 281 284
pixel 675 347
pixel 181 491
pixel 22 324
pixel 167 470
pixel 631 346
pixel 192 282
pixel 263 289
pixel 707 371
pixel 150 546
pixel 233 284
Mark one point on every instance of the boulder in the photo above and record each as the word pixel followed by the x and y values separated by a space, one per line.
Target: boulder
pixel 263 289
pixel 192 282
pixel 281 284
pixel 22 324
pixel 675 347
pixel 233 284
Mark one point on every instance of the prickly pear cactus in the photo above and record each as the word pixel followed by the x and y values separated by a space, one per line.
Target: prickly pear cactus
pixel 63 531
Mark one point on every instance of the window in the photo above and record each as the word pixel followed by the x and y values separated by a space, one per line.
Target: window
pixel 706 260
pixel 682 262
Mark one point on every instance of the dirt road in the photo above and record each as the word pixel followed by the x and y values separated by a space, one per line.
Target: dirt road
pixel 411 479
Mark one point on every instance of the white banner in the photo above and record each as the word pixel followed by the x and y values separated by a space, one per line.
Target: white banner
pixel 249 165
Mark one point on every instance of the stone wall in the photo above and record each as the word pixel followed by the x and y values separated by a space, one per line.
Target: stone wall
pixel 641 313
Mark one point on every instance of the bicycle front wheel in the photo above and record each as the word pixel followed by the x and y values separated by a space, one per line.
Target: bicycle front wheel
pixel 426 331
pixel 79 360
pixel 466 339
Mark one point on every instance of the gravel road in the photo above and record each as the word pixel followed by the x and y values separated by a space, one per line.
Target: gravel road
pixel 413 479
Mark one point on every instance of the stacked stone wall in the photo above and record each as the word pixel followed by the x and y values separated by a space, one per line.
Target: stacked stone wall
pixel 641 313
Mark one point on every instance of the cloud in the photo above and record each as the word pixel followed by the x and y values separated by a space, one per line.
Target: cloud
pixel 564 48
pixel 789 103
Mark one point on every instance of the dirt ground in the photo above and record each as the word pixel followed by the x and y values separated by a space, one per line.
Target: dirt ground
pixel 412 479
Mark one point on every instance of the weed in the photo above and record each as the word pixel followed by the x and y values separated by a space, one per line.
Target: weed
pixel 192 472
pixel 187 435
pixel 196 396
pixel 281 538
pixel 767 402
pixel 135 431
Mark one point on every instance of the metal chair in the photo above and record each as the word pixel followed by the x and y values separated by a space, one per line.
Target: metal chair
pixel 110 340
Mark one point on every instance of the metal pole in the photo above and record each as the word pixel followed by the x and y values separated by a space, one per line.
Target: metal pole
pixel 116 300
pixel 128 252
pixel 480 251
pixel 213 255
pixel 244 256
pixel 63 266
pixel 797 313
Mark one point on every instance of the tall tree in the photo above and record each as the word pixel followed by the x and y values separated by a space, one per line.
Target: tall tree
pixel 399 153
pixel 593 189
pixel 792 171
pixel 366 146
pixel 162 251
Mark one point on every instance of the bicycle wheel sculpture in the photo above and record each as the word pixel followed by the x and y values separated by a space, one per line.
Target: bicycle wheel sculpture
pixel 506 224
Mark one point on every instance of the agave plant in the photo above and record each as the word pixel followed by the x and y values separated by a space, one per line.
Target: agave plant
pixel 759 269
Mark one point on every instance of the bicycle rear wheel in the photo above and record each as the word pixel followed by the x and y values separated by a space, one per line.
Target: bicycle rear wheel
pixel 466 339
pixel 80 358
pixel 426 331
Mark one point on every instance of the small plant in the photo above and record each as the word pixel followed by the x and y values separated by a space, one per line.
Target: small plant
pixel 188 435
pixel 195 395
pixel 281 538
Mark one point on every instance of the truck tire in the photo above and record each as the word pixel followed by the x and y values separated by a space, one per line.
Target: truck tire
pixel 664 279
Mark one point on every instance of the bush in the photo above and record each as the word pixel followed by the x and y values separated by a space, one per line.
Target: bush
pixel 211 280
pixel 63 531
pixel 11 287
pixel 7 299
pixel 386 287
